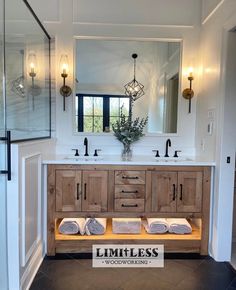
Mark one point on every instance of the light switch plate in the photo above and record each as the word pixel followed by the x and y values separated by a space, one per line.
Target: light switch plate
pixel 211 114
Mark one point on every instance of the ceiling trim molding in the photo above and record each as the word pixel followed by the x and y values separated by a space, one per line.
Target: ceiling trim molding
pixel 170 39
pixel 212 12
pixel 134 25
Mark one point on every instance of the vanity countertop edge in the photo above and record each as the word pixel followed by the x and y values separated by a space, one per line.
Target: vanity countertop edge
pixel 116 160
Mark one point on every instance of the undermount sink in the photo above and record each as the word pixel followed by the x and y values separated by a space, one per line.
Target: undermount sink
pixel 84 158
pixel 172 159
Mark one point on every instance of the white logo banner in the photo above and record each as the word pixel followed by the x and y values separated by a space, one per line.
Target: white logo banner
pixel 128 256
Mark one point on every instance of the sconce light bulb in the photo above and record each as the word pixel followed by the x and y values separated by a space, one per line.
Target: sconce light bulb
pixel 32 66
pixel 190 72
pixel 65 68
pixel 32 62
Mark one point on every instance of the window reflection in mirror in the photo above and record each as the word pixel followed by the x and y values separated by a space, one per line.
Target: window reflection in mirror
pixel 96 113
pixel 103 67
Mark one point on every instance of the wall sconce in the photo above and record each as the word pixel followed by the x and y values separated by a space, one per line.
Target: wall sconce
pixel 65 90
pixel 188 93
pixel 32 63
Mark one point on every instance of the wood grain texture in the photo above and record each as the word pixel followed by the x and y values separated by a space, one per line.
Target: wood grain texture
pixel 68 190
pixel 95 190
pixel 127 214
pixel 50 211
pixel 189 191
pixel 170 246
pixel 111 190
pixel 130 177
pixel 130 191
pixel 129 205
pixel 206 199
pixel 148 199
pixel 196 242
pixel 164 186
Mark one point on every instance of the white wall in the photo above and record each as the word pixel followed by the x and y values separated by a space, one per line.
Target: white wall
pixel 213 107
pixel 122 19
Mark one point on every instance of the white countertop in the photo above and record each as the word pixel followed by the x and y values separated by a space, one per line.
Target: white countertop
pixel 136 160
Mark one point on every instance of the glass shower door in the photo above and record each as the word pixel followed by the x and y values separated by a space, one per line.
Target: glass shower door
pixel 3 161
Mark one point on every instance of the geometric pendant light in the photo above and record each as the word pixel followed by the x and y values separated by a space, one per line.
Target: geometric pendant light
pixel 134 89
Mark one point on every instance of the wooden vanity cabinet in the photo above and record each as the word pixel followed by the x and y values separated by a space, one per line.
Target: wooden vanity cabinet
pixel 176 191
pixel 78 190
pixel 128 191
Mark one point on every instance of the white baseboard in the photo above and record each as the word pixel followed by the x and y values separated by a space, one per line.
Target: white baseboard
pixel 32 268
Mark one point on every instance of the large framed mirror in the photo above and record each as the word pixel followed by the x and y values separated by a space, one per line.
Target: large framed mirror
pixel 102 69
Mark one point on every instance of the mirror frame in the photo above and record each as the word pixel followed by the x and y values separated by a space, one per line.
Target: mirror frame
pixel 179 40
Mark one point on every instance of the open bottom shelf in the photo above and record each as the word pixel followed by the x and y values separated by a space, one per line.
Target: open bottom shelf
pixel 172 242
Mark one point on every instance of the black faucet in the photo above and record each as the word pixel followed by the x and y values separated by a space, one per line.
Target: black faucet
pixel 168 144
pixel 86 146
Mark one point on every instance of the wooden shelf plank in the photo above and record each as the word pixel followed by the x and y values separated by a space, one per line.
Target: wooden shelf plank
pixel 195 235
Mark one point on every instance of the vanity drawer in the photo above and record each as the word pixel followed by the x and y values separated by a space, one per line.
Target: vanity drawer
pixel 129 177
pixel 129 191
pixel 130 205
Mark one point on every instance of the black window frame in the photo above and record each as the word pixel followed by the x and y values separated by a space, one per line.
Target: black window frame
pixel 106 108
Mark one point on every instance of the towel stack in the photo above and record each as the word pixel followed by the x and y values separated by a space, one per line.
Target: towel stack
pixel 173 225
pixel 126 225
pixel 89 226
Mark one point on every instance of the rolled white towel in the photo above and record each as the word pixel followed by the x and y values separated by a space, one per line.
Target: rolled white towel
pixel 156 225
pixel 95 226
pixel 72 226
pixel 179 226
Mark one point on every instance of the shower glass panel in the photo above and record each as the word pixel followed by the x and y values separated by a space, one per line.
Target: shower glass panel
pixel 27 61
pixel 3 178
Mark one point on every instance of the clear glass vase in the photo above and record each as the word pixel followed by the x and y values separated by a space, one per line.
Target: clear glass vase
pixel 126 153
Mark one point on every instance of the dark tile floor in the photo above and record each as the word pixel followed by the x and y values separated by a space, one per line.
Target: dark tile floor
pixel 72 272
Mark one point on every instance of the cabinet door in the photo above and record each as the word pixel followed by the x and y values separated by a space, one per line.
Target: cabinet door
pixel 189 192
pixel 95 184
pixel 164 185
pixel 68 188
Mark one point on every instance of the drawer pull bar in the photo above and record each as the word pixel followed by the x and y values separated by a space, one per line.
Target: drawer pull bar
pixel 130 177
pixel 181 192
pixel 129 205
pixel 173 192
pixel 85 193
pixel 77 191
pixel 129 191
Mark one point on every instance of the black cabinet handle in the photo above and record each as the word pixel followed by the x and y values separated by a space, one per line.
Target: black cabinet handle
pixel 8 141
pixel 181 192
pixel 78 191
pixel 85 191
pixel 173 198
pixel 129 205
pixel 129 177
pixel 129 191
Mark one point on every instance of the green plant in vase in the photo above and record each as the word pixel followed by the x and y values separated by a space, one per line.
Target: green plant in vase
pixel 128 131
